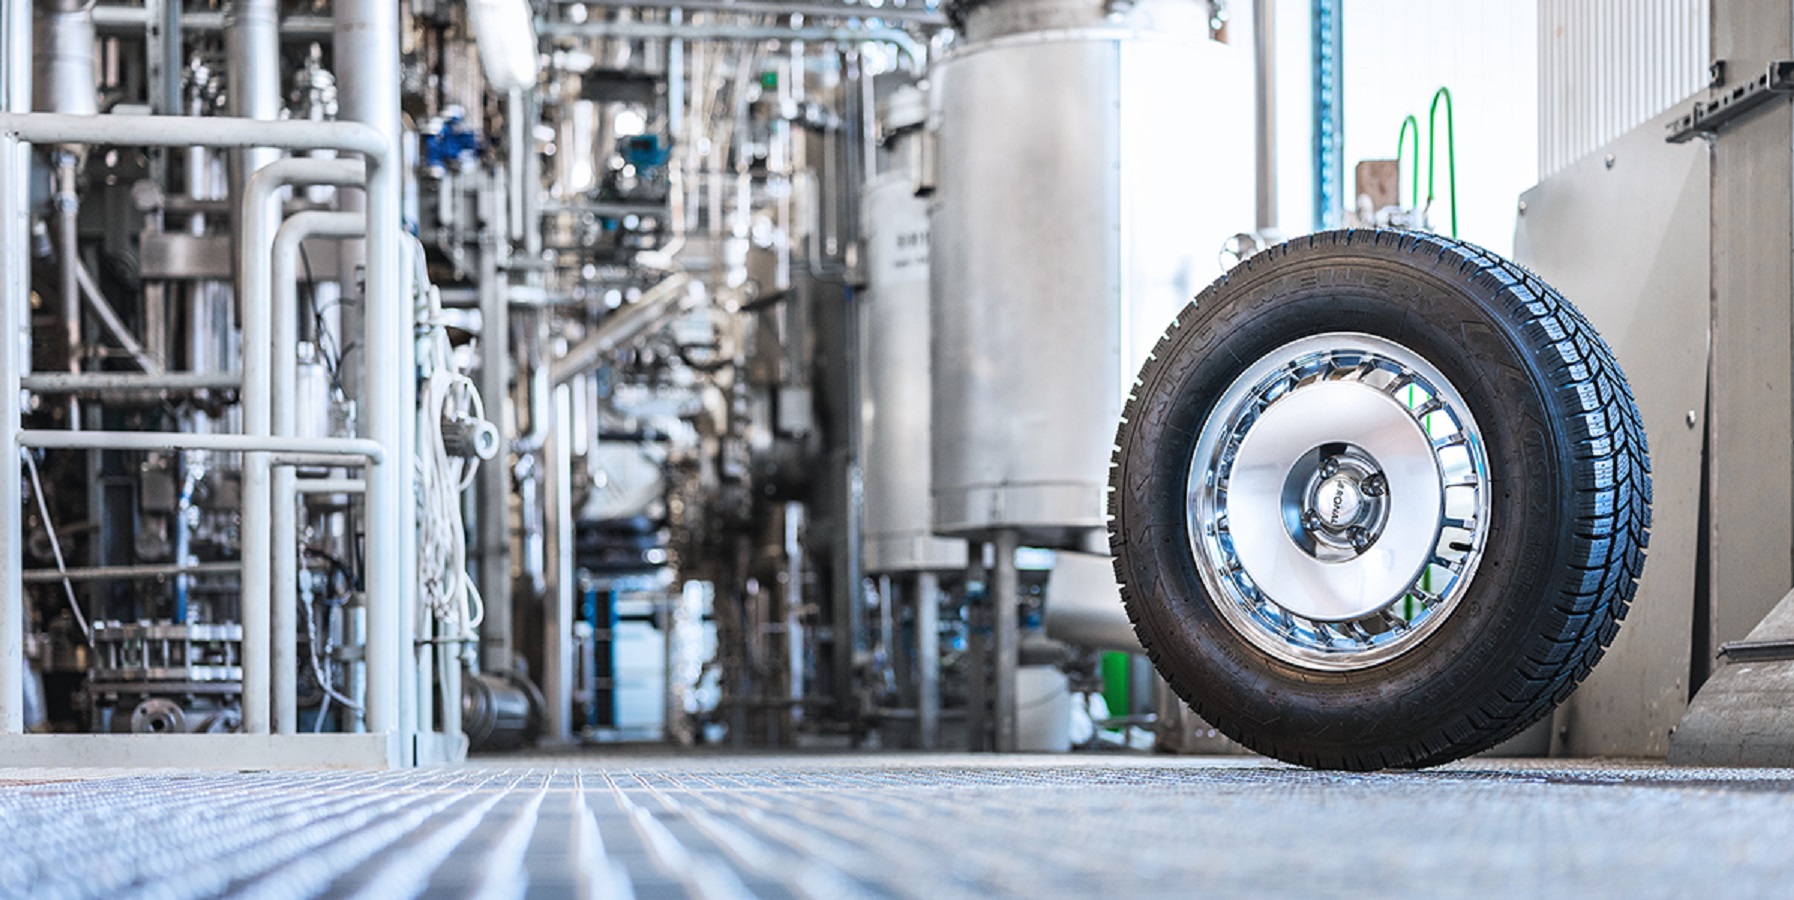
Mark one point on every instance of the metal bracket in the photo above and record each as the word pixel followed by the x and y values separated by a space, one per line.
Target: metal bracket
pixel 1757 651
pixel 1708 116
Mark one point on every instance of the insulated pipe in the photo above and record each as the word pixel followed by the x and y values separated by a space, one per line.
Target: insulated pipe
pixel 917 14
pixel 928 658
pixel 252 71
pixel 63 79
pixel 297 450
pixel 492 486
pixel 259 219
pixel 15 355
pixel 365 45
pixel 390 511
pixel 285 519
pixel 1264 83
pixel 660 31
pixel 109 317
pixel 671 296
pixel 1005 589
pixel 63 82
pixel 557 636
pixel 123 573
pixel 221 132
pixel 130 21
pixel 330 486
pixel 105 382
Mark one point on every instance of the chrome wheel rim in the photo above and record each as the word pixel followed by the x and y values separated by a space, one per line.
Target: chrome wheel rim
pixel 1338 501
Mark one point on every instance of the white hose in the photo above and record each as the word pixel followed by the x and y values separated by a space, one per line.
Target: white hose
pixel 444 587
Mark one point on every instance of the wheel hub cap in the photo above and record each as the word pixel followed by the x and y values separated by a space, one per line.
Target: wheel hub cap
pixel 1338 501
pixel 1341 558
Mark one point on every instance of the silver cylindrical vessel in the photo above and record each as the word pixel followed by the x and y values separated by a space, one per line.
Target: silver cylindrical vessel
pixel 63 76
pixel 894 409
pixel 1088 177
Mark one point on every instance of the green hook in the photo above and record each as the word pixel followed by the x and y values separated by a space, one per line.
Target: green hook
pixel 1401 142
pixel 1451 153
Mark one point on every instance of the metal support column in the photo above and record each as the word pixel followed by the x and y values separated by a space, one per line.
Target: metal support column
pixel 1264 83
pixel 928 659
pixel 15 356
pixel 1005 587
pixel 557 624
pixel 493 481
pixel 366 41
pixel 252 52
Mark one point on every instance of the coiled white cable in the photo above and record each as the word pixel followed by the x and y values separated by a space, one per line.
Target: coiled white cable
pixel 444 587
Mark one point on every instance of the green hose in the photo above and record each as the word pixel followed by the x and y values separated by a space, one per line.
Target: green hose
pixel 1401 142
pixel 1451 152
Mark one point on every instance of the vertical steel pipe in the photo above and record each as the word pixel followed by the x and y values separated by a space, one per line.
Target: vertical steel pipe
pixel 15 356
pixel 252 65
pixel 557 637
pixel 928 659
pixel 252 68
pixel 285 363
pixel 1264 83
pixel 1005 588
pixel 63 82
pixel 366 41
pixel 493 485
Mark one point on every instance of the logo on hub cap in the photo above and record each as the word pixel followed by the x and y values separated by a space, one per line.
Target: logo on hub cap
pixel 1343 500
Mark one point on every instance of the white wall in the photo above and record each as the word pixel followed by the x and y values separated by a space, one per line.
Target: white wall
pixel 1607 67
pixel 1397 53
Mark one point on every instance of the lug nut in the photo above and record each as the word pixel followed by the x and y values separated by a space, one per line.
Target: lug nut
pixel 1329 467
pixel 1375 485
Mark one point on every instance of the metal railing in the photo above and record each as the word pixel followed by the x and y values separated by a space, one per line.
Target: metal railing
pixel 383 453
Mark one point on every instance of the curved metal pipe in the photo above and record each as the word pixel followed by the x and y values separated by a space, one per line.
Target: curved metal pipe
pixel 259 219
pixel 911 49
pixel 285 520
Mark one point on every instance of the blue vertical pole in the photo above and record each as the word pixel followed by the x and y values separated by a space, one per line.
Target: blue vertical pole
pixel 1329 113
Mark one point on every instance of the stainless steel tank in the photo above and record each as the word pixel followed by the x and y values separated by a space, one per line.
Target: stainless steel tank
pixel 1090 168
pixel 894 407
pixel 63 65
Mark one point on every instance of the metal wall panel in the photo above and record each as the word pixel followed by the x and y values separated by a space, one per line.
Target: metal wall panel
pixel 1607 65
pixel 1750 463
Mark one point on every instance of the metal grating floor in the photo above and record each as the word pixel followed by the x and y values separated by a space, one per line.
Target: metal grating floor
pixel 912 826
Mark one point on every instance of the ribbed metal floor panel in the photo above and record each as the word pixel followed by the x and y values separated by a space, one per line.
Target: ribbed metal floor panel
pixel 898 826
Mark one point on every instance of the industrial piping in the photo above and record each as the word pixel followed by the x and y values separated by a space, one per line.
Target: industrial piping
pixel 389 509
pixel 285 523
pixel 255 249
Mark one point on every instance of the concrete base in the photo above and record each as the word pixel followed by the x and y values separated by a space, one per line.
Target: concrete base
pixel 207 751
pixel 1744 715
